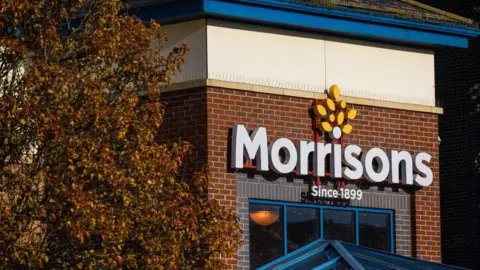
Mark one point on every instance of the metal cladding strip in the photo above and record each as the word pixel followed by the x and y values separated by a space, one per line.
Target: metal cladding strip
pixel 347 256
pixel 328 265
pixel 385 260
pixel 304 257
pixel 316 247
pixel 381 263
pixel 382 258
pixel 373 266
pixel 297 260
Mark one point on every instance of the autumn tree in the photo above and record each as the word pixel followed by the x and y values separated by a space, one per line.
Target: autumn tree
pixel 83 182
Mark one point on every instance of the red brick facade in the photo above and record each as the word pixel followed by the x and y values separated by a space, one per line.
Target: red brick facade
pixel 186 119
pixel 215 111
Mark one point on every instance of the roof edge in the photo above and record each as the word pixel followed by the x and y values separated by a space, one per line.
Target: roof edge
pixel 330 21
pixel 439 11
pixel 470 32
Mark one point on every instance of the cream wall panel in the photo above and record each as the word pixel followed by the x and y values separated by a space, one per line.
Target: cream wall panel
pixel 194 34
pixel 266 56
pixel 377 72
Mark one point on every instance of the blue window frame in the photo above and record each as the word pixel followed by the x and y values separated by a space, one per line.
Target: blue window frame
pixel 359 225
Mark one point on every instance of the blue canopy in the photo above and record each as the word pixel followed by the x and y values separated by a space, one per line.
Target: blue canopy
pixel 323 254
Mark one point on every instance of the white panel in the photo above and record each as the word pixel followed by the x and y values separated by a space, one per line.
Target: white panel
pixel 265 56
pixel 294 60
pixel 379 72
pixel 194 34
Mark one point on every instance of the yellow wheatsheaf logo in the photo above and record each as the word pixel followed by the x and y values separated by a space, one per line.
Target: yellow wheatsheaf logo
pixel 333 114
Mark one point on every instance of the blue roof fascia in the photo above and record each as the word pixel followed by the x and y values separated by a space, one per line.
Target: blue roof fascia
pixel 351 15
pixel 335 21
pixel 375 28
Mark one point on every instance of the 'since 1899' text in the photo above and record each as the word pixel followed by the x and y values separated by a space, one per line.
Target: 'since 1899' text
pixel 348 194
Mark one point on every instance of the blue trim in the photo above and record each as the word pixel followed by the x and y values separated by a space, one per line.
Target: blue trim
pixel 347 256
pixel 321 208
pixel 392 234
pixel 365 254
pixel 328 264
pixel 352 15
pixel 357 257
pixel 357 234
pixel 379 255
pixel 321 224
pixel 320 19
pixel 371 210
pixel 295 252
pixel 285 243
pixel 337 25
pixel 299 259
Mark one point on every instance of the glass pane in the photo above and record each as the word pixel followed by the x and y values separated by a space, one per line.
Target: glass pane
pixel 374 230
pixel 303 227
pixel 339 225
pixel 266 234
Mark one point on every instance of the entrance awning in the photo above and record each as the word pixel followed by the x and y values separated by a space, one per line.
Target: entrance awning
pixel 323 255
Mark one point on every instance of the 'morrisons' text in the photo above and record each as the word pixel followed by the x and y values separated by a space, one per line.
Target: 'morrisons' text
pixel 348 163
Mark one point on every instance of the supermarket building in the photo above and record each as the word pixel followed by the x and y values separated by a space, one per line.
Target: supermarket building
pixel 252 98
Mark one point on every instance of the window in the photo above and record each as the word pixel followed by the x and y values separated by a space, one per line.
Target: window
pixel 278 228
pixel 266 234
pixel 374 230
pixel 302 226
pixel 339 225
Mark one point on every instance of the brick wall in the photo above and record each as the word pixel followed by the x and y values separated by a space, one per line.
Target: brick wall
pixel 456 71
pixel 288 117
pixel 186 119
